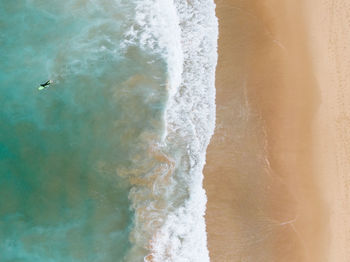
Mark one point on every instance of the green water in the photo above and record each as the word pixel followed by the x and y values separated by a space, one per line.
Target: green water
pixel 61 198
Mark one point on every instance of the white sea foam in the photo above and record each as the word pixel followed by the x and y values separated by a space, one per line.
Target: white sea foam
pixel 167 194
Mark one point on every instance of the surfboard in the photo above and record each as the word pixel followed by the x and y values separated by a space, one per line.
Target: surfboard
pixel 46 86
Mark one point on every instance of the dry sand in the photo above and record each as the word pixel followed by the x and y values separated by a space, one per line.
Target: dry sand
pixel 329 27
pixel 277 173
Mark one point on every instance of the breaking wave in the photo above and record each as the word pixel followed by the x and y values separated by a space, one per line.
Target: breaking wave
pixel 167 193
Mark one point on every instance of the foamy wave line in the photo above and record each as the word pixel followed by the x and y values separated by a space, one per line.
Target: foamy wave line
pixel 167 194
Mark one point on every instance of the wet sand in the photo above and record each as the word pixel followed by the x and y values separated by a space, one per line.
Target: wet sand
pixel 277 172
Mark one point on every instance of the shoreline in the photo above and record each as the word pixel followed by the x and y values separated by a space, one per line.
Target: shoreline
pixel 265 200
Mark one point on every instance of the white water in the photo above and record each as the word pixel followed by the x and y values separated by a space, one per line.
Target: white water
pixel 167 194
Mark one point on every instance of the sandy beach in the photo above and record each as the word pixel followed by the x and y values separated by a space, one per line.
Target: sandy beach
pixel 277 172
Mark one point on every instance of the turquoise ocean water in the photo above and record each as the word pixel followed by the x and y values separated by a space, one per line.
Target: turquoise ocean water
pixel 61 198
pixel 105 165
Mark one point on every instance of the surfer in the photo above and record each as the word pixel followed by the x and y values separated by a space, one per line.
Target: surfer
pixel 45 85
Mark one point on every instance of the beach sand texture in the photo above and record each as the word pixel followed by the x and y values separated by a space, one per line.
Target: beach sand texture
pixel 277 172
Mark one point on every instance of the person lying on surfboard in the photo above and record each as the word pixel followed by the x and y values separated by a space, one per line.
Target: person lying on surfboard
pixel 45 85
